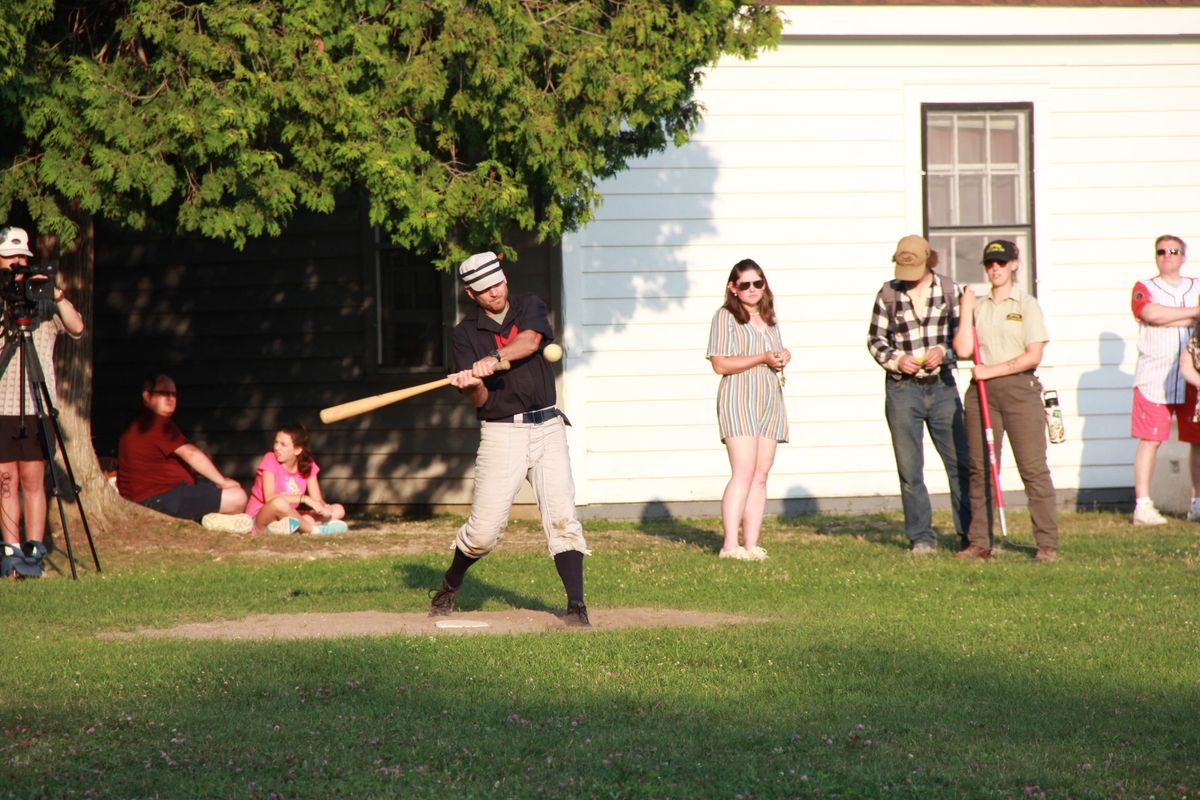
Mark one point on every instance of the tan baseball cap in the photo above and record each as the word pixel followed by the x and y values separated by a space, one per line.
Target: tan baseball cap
pixel 911 256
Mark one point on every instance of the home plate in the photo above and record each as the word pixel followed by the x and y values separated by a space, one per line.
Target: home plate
pixel 461 623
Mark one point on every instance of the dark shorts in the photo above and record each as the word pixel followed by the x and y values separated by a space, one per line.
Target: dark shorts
pixel 187 501
pixel 14 446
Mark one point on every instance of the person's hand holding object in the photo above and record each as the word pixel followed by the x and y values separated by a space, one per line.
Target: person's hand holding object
pixel 465 379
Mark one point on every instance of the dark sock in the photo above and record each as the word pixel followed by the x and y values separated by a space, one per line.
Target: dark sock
pixel 458 568
pixel 570 569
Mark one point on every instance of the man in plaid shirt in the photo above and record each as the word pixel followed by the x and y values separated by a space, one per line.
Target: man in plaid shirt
pixel 912 325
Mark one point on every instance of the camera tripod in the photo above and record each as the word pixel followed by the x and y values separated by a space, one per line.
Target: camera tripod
pixel 19 342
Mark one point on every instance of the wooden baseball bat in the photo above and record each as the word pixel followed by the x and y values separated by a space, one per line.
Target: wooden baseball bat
pixel 365 404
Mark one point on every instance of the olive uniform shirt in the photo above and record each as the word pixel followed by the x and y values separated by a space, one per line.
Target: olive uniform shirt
pixel 1007 327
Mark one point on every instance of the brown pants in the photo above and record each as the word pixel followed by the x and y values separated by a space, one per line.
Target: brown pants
pixel 1015 403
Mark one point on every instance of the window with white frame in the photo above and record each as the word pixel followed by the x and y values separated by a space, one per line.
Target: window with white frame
pixel 978 184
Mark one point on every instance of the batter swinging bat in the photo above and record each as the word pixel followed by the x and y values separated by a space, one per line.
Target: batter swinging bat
pixel 365 404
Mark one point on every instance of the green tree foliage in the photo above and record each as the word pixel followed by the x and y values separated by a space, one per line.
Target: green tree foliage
pixel 458 118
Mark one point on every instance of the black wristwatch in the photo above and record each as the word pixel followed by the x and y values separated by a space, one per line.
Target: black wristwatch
pixel 496 354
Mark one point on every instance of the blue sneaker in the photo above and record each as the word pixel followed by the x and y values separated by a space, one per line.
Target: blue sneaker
pixel 331 527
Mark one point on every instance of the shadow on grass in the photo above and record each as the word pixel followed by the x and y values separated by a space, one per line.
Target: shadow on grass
pixel 657 520
pixel 474 591
pixel 335 591
pixel 879 528
pixel 544 717
pixel 1008 546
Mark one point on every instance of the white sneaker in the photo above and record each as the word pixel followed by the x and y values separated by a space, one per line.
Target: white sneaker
pixel 755 554
pixel 737 553
pixel 1194 511
pixel 228 523
pixel 1147 514
pixel 287 525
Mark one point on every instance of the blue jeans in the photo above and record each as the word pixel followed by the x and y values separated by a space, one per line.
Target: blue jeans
pixel 911 406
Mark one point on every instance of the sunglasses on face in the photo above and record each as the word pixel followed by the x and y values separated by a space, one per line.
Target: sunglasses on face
pixel 744 285
pixel 1173 251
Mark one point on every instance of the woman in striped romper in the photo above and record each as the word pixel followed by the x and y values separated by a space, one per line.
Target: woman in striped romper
pixel 746 350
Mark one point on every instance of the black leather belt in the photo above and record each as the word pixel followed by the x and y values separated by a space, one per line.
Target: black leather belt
pixel 532 417
pixel 935 378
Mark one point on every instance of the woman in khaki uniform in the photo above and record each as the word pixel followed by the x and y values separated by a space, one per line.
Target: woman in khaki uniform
pixel 1012 336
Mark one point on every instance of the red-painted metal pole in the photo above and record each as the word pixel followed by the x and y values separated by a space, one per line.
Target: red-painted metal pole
pixel 993 462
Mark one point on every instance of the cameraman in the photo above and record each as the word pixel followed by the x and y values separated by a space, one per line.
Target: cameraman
pixel 22 458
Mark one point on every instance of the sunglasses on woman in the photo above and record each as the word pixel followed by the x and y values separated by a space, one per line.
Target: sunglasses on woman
pixel 744 285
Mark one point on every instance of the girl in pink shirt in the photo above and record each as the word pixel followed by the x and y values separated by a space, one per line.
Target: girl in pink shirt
pixel 286 497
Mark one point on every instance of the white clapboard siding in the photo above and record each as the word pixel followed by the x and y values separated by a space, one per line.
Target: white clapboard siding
pixel 808 161
pixel 751 205
pixel 1132 177
pixel 705 178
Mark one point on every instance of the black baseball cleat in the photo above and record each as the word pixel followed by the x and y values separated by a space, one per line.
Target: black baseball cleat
pixel 443 600
pixel 576 616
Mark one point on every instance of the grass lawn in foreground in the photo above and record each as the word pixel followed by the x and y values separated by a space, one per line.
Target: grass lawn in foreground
pixel 874 674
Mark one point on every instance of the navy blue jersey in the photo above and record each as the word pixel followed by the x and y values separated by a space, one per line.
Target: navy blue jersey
pixel 529 384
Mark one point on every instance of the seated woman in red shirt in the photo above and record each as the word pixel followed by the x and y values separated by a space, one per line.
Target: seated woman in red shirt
pixel 161 469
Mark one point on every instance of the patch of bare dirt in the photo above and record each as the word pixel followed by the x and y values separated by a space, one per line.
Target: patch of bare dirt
pixel 163 544
pixel 377 623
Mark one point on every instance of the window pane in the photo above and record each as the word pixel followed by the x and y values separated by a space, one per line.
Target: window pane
pixel 970 140
pixel 938 143
pixel 942 245
pixel 1004 200
pixel 1004 142
pixel 970 200
pixel 968 251
pixel 410 306
pixel 939 200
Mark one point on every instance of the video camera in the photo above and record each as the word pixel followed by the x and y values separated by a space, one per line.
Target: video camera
pixel 24 286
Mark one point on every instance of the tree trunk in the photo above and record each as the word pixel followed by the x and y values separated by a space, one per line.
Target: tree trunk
pixel 103 507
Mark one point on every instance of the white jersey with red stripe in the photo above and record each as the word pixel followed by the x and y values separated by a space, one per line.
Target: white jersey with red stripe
pixel 1157 373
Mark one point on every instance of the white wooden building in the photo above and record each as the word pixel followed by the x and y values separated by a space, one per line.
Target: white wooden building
pixel 1075 130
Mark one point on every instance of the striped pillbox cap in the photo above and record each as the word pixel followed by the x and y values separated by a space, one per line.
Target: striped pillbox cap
pixel 481 271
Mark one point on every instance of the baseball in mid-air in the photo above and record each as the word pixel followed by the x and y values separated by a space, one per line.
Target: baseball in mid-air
pixel 552 352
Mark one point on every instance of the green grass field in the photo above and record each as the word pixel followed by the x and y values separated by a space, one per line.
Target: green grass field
pixel 875 674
